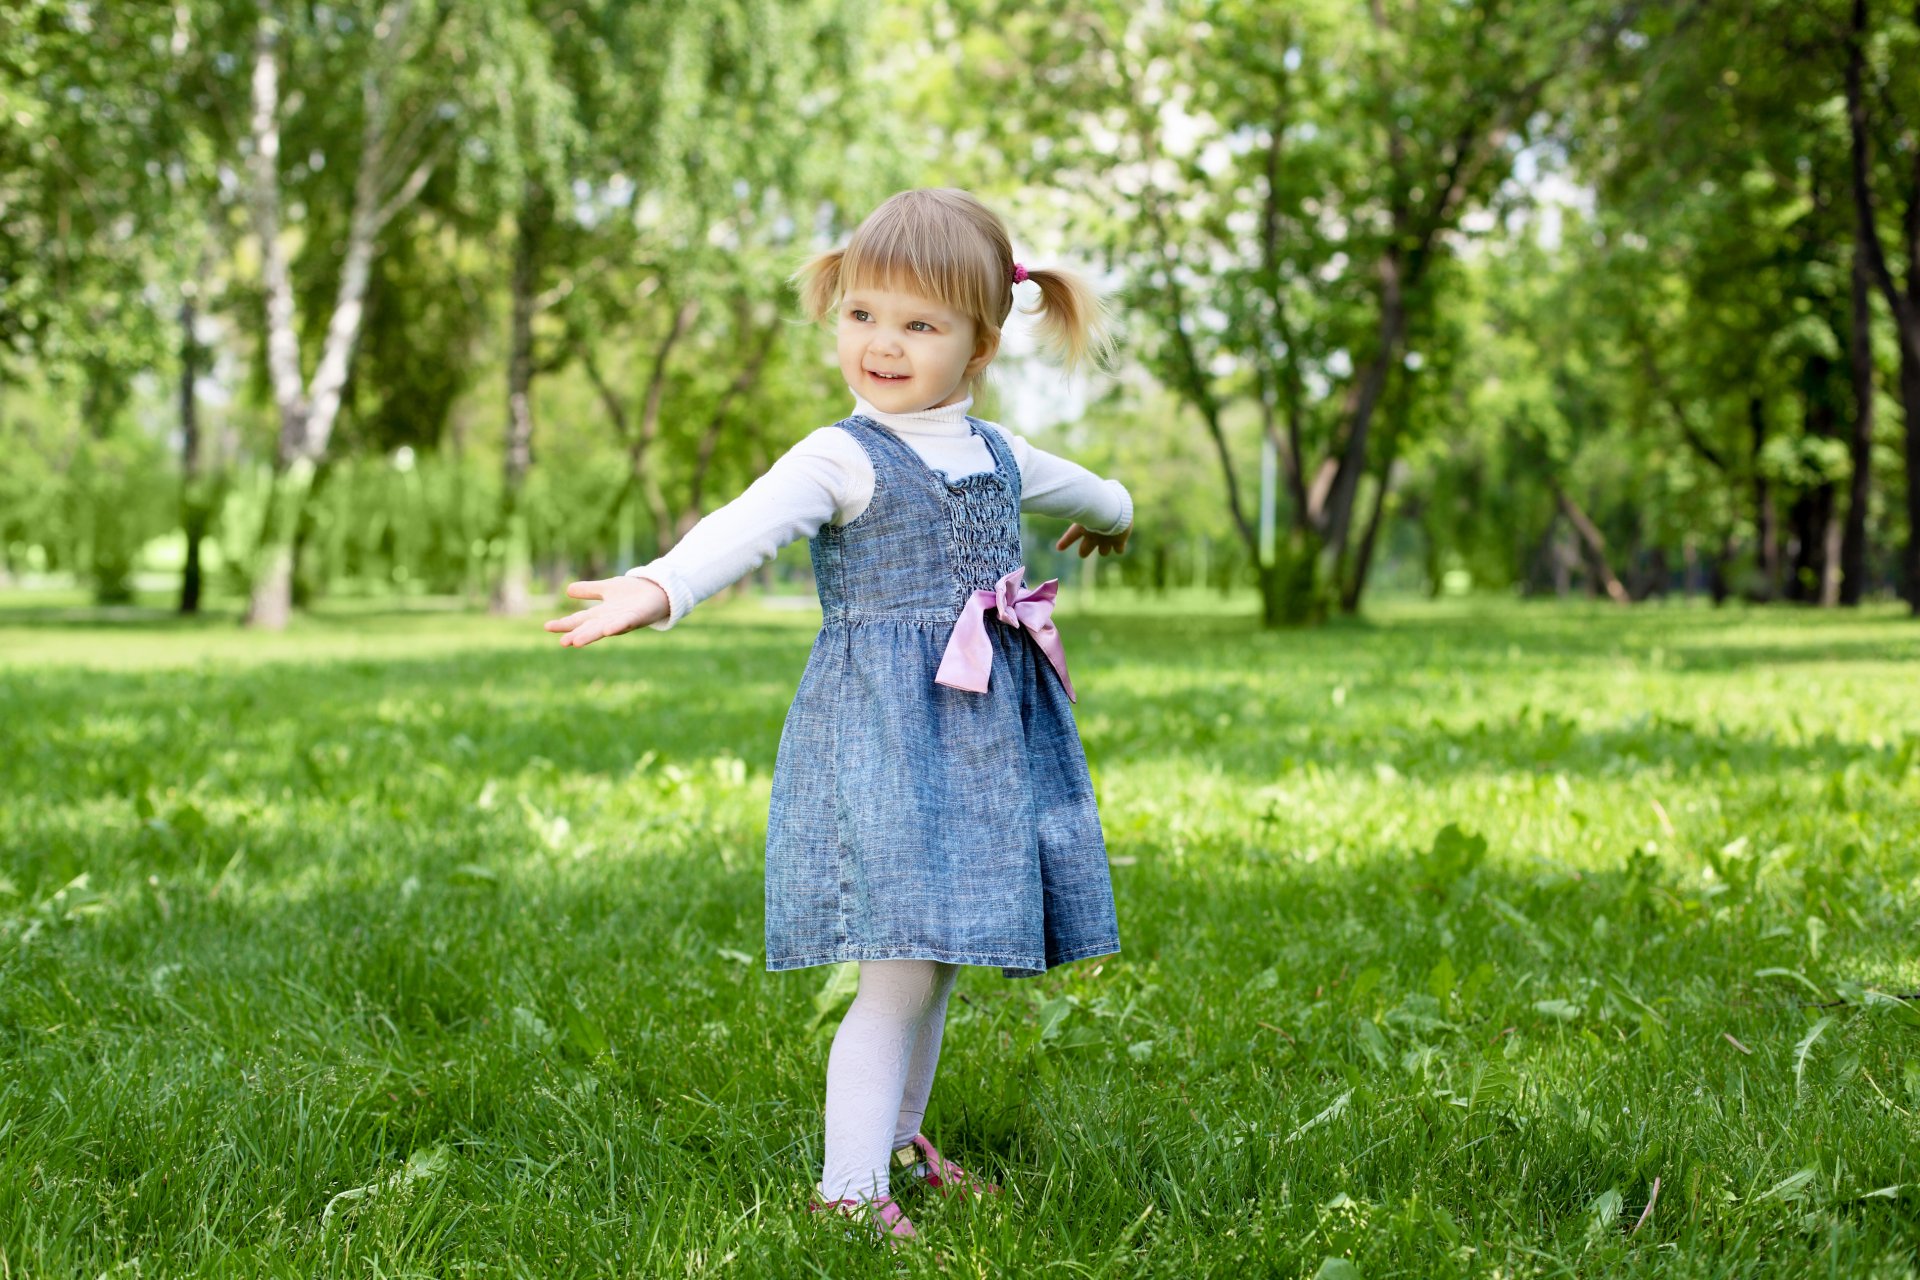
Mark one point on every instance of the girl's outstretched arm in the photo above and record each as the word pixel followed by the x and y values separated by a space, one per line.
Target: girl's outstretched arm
pixel 626 604
pixel 803 490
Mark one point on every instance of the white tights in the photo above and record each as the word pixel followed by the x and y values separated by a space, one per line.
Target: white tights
pixel 881 1070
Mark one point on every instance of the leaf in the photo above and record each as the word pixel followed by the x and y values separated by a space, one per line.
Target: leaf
pixel 430 1163
pixel 1455 853
pixel 1332 1113
pixel 1653 1035
pixel 1791 1187
pixel 1373 1041
pixel 1364 982
pixel 584 1032
pixel 473 873
pixel 1440 982
pixel 161 979
pixel 1603 1215
pixel 1337 1269
pixel 1140 1050
pixel 1800 1052
pixel 1052 1014
pixel 1795 974
pixel 1493 1083
pixel 1513 916
pixel 842 981
pixel 1564 1010
pixel 1476 983
pixel 531 1025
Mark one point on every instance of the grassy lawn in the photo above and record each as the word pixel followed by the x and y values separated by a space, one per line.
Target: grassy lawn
pixel 408 944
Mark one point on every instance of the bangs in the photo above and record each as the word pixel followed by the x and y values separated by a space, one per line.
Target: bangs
pixel 923 248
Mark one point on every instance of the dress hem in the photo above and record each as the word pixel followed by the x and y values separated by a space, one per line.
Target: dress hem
pixel 1012 966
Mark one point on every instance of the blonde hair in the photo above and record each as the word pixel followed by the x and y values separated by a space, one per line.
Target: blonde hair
pixel 942 243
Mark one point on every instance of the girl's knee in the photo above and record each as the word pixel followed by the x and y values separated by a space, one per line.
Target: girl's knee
pixel 904 986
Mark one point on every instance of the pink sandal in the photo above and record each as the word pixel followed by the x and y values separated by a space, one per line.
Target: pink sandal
pixel 889 1222
pixel 922 1162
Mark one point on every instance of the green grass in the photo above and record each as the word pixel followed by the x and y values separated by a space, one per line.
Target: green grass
pixel 1446 936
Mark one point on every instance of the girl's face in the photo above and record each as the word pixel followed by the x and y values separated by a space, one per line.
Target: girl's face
pixel 905 353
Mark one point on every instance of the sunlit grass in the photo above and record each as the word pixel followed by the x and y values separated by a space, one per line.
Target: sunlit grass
pixel 1447 934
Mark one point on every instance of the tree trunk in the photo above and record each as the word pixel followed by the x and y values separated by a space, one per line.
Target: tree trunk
pixel 1338 519
pixel 640 436
pixel 1593 543
pixel 1853 544
pixel 306 580
pixel 1905 305
pixel 716 422
pixel 1815 517
pixel 271 605
pixel 1352 589
pixel 1910 401
pixel 1765 523
pixel 308 408
pixel 1718 585
pixel 511 589
pixel 193 502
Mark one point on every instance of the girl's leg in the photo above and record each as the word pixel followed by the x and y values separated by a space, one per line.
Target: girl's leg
pixel 926 1057
pixel 867 1072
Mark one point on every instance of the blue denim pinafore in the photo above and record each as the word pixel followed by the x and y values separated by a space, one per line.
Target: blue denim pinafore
pixel 911 820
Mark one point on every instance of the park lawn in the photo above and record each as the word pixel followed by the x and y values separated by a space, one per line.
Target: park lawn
pixel 409 944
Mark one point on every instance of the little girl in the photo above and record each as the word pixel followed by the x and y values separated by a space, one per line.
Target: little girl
pixel 931 805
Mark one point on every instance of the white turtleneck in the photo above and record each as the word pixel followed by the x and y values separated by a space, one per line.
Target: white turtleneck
pixel 828 479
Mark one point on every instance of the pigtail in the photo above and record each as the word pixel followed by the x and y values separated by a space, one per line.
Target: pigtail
pixel 819 283
pixel 1074 322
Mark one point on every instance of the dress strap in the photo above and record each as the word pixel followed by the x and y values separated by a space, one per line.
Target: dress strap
pixel 878 442
pixel 1002 450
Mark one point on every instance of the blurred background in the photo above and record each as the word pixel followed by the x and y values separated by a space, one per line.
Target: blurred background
pixel 304 303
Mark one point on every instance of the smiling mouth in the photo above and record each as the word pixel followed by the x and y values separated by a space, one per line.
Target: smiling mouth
pixel 888 377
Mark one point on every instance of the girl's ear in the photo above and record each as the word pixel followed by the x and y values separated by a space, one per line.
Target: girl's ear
pixel 985 348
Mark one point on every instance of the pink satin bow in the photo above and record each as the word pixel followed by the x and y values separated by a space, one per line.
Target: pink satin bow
pixel 968 659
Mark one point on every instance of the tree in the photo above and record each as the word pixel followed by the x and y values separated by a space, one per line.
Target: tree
pixel 1296 176
pixel 399 147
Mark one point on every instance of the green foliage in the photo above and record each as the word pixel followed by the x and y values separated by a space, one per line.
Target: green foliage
pixel 1448 940
pixel 1620 241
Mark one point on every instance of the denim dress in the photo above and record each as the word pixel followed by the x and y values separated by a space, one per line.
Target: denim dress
pixel 911 820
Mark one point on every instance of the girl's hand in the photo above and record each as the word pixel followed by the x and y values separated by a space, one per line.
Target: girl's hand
pixel 626 604
pixel 1107 544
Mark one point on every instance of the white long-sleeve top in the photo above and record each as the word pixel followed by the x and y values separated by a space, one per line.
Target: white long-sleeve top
pixel 828 479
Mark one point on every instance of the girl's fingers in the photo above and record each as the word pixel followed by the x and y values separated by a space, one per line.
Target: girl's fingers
pixel 583 636
pixel 567 623
pixel 588 590
pixel 1090 542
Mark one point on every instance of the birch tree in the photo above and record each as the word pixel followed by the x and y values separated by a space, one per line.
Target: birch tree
pixel 399 147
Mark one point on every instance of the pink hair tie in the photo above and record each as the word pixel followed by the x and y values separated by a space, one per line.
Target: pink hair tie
pixel 1019 273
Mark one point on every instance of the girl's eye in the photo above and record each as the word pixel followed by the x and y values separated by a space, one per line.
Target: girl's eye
pixel 921 326
pixel 861 316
